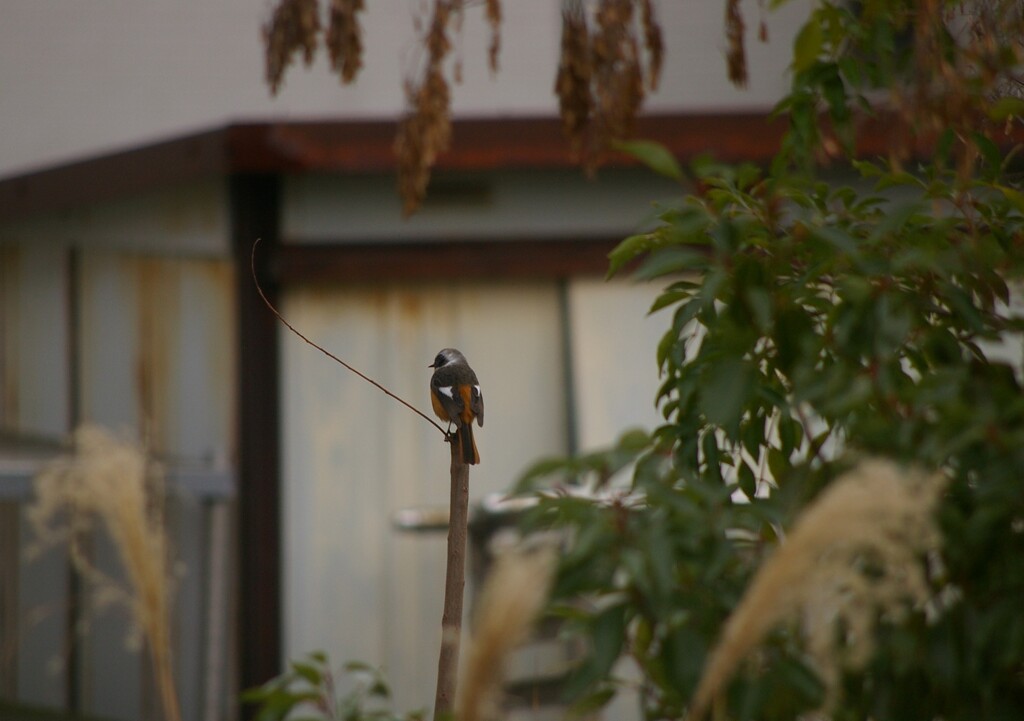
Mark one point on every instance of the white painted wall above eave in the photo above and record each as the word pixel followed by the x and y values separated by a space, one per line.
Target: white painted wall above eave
pixel 86 78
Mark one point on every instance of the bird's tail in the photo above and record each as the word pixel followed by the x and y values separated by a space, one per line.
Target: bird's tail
pixel 470 455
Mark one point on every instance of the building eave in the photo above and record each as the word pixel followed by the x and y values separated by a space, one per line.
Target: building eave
pixel 359 147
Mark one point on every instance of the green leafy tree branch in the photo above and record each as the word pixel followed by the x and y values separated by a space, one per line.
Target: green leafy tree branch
pixel 822 310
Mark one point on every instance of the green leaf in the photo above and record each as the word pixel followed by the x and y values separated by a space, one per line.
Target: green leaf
pixel 654 155
pixel 867 168
pixel 759 301
pixel 629 249
pixel 1015 197
pixel 665 347
pixel 753 435
pixel 894 179
pixel 633 440
pixel 709 444
pixel 607 633
pixel 789 433
pixel 835 95
pixel 837 237
pixel 671 260
pixel 989 151
pixel 1005 107
pixel 541 469
pixel 778 464
pixel 807 45
pixel 589 705
pixel 308 671
pixel 747 480
pixel 669 298
pixel 727 386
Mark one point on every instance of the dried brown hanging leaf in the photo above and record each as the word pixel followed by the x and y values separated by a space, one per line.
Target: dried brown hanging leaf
pixel 762 25
pixel 293 26
pixel 572 84
pixel 618 80
pixel 344 38
pixel 653 42
pixel 625 93
pixel 456 20
pixel 494 20
pixel 425 131
pixel 736 53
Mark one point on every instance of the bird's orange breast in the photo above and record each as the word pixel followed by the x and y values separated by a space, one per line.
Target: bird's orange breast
pixel 438 407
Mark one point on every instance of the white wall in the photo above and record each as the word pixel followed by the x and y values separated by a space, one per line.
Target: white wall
pixel 81 78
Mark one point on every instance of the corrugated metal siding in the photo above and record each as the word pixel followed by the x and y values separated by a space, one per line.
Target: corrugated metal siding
pixel 156 358
pixel 34 400
pixel 34 339
pixel 185 220
pixel 158 350
pixel 353 457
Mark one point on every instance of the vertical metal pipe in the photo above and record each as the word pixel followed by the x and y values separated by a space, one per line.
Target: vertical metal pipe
pixel 73 273
pixel 572 431
pixel 255 214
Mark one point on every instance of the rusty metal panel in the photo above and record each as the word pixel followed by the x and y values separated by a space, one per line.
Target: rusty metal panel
pixel 43 642
pixel 158 350
pixel 34 402
pixel 9 322
pixel 34 340
pixel 353 457
pixel 157 355
pixel 186 220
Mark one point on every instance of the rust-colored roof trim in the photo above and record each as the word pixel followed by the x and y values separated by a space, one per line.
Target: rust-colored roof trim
pixel 435 260
pixel 277 148
pixel 359 147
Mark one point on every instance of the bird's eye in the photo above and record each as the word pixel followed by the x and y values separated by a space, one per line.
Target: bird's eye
pixel 439 361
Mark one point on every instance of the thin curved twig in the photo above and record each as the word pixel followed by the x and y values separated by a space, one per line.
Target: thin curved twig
pixel 252 269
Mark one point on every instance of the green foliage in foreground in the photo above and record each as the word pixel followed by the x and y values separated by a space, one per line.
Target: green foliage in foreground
pixel 811 322
pixel 308 691
pixel 813 319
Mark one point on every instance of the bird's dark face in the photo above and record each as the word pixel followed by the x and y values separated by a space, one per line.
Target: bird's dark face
pixel 439 361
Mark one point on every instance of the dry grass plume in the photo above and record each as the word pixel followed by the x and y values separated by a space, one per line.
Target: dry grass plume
pixel 108 482
pixel 513 596
pixel 855 553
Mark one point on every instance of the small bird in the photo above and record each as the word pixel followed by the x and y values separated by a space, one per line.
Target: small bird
pixel 456 398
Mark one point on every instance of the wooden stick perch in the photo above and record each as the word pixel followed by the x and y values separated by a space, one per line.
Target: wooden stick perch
pixel 458 525
pixel 454 586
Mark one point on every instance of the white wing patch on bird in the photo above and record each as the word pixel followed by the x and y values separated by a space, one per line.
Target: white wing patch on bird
pixel 447 390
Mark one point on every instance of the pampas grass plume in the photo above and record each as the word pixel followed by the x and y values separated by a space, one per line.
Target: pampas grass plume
pixel 878 513
pixel 512 597
pixel 108 482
